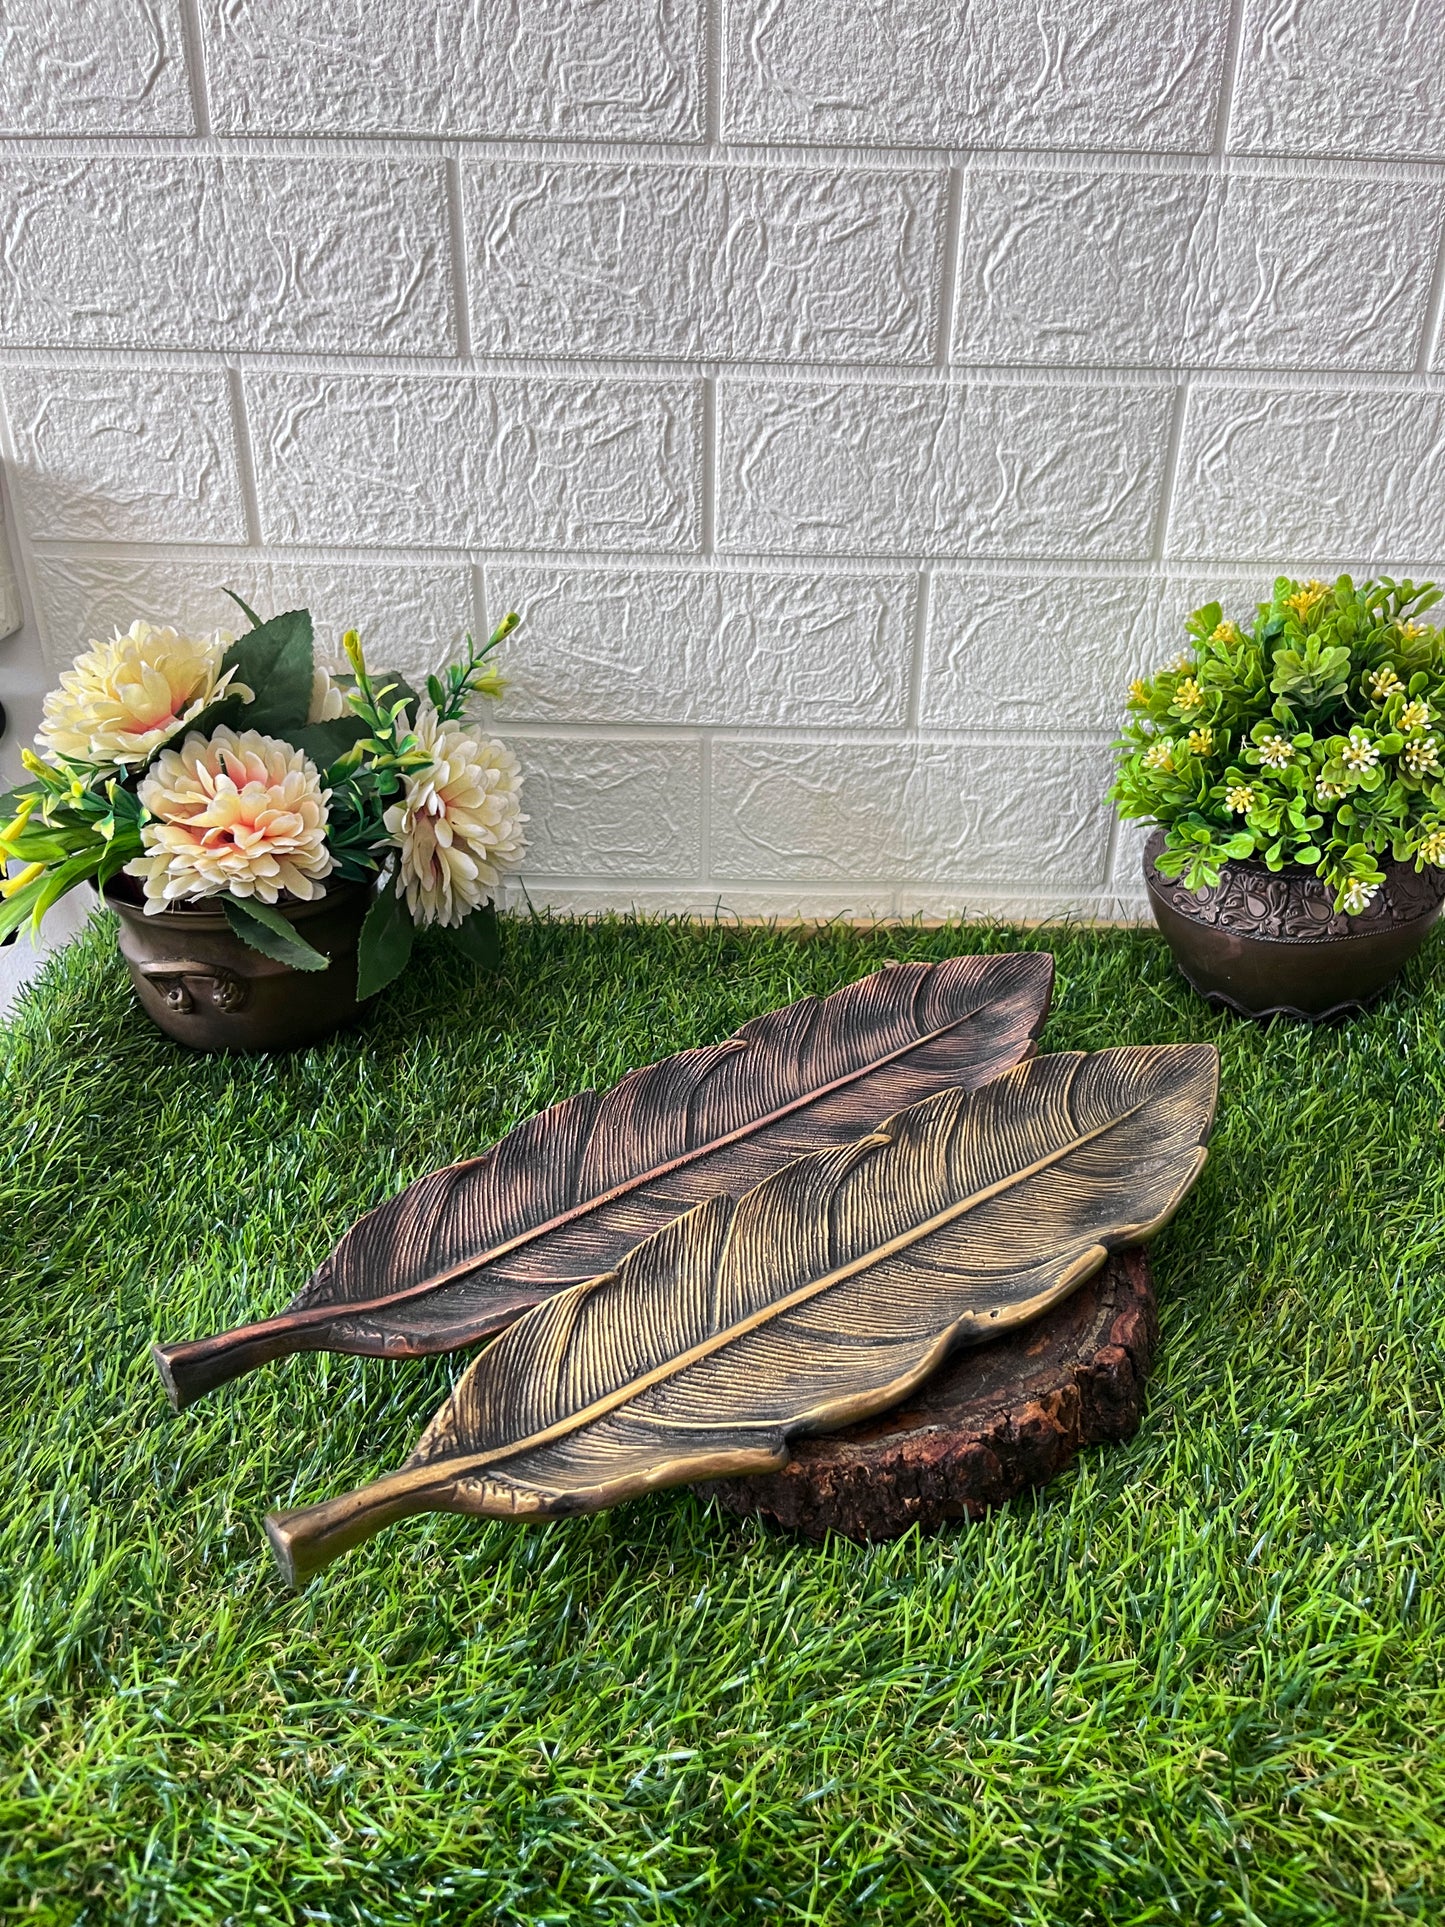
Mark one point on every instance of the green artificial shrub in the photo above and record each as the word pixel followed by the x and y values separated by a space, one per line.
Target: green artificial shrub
pixel 1310 738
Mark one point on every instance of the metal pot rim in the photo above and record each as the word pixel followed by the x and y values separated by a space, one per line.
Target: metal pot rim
pixel 200 916
pixel 1328 937
pixel 1169 893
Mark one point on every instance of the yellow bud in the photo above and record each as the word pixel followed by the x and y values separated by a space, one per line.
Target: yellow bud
pixel 12 830
pixel 14 885
pixel 1303 600
pixel 351 643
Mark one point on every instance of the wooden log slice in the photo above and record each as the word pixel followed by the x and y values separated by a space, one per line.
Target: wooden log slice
pixel 991 1421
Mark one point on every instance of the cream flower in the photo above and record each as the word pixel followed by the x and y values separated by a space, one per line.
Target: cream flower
pixel 1189 695
pixel 328 699
pixel 122 699
pixel 1239 797
pixel 1275 751
pixel 1432 848
pixel 1200 742
pixel 1328 792
pixel 459 823
pixel 1421 756
pixel 244 814
pixel 1415 715
pixel 1159 756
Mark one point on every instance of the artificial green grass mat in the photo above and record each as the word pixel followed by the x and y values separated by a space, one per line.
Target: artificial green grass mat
pixel 1198 1679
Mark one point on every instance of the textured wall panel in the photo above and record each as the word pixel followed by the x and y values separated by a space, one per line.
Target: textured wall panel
pixel 945 471
pixel 710 263
pixel 502 69
pixel 1129 241
pixel 998 73
pixel 1171 269
pixel 730 649
pixel 410 616
pixel 12 611
pixel 611 809
pixel 1030 816
pixel 1341 77
pixel 226 253
pixel 115 68
pixel 811 373
pixel 1318 273
pixel 441 461
pixel 1127 873
pixel 1004 652
pixel 124 455
pixel 1265 473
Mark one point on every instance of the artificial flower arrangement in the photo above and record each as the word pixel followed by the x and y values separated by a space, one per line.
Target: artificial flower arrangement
pixel 241 771
pixel 1311 738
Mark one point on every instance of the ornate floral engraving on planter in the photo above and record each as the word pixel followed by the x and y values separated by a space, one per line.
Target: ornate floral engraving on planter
pixel 1270 944
pixel 1294 906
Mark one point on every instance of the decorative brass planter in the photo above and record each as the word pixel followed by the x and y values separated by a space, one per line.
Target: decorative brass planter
pixel 1271 944
pixel 195 978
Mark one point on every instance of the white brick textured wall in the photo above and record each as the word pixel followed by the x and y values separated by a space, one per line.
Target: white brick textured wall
pixel 852 398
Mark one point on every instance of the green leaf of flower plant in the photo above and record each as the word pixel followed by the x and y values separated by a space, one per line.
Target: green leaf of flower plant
pixel 38 845
pixel 55 883
pixel 386 940
pixel 16 910
pixel 327 743
pixel 276 662
pixel 266 930
pixel 245 608
pixel 478 938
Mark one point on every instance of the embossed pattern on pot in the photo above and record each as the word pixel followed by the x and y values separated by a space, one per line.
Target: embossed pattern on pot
pixel 1265 945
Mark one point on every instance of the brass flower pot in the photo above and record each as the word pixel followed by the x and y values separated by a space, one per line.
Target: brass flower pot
pixel 1269 944
pixel 195 978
